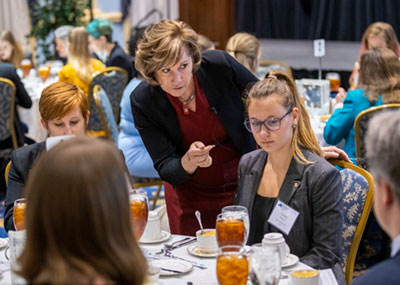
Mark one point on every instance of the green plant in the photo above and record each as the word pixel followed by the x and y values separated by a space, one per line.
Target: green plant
pixel 47 15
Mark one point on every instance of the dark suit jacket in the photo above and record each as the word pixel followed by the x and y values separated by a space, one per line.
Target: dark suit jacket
pixel 22 98
pixel 223 80
pixel 315 190
pixel 119 58
pixel 387 272
pixel 22 161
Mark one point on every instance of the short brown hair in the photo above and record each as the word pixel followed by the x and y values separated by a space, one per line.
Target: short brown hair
pixel 380 75
pixel 279 83
pixel 58 99
pixel 161 46
pixel 78 225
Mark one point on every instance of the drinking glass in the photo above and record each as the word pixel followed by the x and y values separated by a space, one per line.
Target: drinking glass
pixel 19 214
pixel 231 229
pixel 241 210
pixel 232 265
pixel 334 79
pixel 26 66
pixel 44 72
pixel 139 211
pixel 265 265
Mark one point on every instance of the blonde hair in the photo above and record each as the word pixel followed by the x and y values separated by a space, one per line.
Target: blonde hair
pixel 161 46
pixel 79 55
pixel 205 43
pixel 17 53
pixel 280 84
pixel 384 30
pixel 58 99
pixel 245 48
pixel 380 75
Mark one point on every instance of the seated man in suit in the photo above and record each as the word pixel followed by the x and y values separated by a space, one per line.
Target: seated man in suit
pixel 383 155
pixel 100 42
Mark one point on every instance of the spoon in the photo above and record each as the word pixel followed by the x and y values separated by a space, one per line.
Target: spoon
pixel 171 245
pixel 198 216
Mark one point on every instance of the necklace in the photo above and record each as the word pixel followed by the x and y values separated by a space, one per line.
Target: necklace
pixel 185 103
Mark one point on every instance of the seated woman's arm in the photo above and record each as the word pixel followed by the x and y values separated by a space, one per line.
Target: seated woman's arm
pixel 341 121
pixel 327 220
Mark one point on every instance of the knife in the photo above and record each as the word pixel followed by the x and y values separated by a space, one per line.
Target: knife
pixel 170 270
pixel 183 243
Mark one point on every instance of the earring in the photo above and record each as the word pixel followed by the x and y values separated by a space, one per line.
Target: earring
pixel 294 126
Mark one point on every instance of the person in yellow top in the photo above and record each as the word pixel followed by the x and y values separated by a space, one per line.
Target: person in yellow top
pixel 80 67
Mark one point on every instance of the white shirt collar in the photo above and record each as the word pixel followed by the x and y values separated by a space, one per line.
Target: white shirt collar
pixel 395 246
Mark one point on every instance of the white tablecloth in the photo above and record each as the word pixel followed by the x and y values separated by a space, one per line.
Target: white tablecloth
pixel 31 117
pixel 196 276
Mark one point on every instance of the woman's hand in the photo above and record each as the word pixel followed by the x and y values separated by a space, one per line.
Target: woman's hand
pixel 198 155
pixel 334 152
pixel 340 95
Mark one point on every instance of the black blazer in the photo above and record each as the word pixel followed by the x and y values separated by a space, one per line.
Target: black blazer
pixel 387 272
pixel 21 96
pixel 119 58
pixel 315 190
pixel 22 161
pixel 223 80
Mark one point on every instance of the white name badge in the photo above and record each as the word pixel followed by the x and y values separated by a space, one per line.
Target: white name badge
pixel 283 217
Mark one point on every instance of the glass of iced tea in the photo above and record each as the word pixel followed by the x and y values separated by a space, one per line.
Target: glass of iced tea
pixel 231 229
pixel 232 265
pixel 139 211
pixel 44 72
pixel 334 80
pixel 241 210
pixel 26 66
pixel 19 214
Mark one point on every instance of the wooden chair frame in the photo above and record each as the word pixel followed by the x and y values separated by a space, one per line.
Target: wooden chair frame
pixel 364 113
pixel 351 258
pixel 157 183
pixel 12 110
pixel 7 170
pixel 103 119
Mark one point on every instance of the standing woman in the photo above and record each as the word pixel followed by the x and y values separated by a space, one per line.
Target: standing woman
pixel 10 49
pixel 80 67
pixel 245 48
pixel 189 113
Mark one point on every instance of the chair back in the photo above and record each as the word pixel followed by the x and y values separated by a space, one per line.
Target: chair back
pixel 269 65
pixel 7 170
pixel 109 125
pixel 113 81
pixel 361 125
pixel 358 187
pixel 7 99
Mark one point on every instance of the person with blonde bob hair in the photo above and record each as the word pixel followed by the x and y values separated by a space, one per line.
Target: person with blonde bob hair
pixel 289 169
pixel 78 225
pixel 10 49
pixel 245 48
pixel 80 67
pixel 189 113
pixel 379 83
pixel 64 110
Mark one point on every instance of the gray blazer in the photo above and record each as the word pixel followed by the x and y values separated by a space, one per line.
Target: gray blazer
pixel 312 189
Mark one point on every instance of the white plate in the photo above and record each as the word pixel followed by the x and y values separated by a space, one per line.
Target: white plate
pixel 172 264
pixel 194 250
pixel 291 260
pixel 3 242
pixel 164 236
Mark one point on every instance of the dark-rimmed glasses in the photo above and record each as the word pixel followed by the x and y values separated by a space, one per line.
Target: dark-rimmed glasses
pixel 271 124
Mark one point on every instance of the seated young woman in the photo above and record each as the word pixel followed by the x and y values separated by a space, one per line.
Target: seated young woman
pixel 289 168
pixel 64 110
pixel 78 226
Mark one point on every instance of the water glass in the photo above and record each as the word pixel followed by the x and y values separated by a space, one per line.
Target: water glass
pixel 241 210
pixel 232 266
pixel 139 211
pixel 265 265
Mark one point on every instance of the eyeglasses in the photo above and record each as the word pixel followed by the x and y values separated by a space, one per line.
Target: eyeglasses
pixel 271 124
